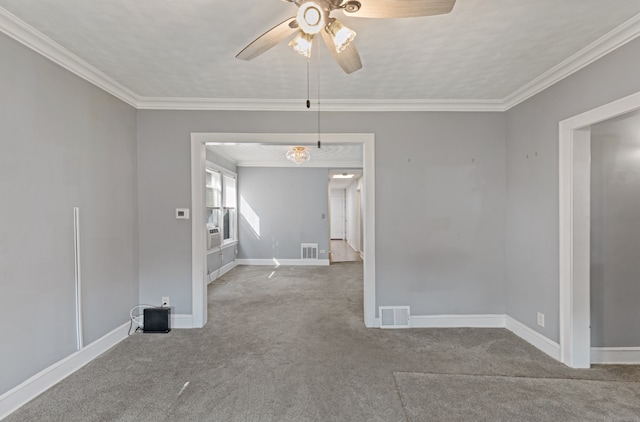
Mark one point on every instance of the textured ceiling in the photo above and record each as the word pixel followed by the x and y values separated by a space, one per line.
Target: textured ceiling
pixel 338 157
pixel 261 155
pixel 483 50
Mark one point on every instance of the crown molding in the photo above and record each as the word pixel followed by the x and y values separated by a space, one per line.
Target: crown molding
pixel 151 103
pixel 604 45
pixel 45 46
pixel 40 43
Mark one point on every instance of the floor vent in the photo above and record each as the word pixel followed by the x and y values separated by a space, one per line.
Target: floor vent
pixel 309 251
pixel 394 316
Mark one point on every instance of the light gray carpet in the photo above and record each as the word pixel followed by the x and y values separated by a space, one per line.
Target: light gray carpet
pixel 288 344
pixel 444 397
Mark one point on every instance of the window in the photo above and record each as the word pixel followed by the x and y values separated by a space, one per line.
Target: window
pixel 229 207
pixel 220 202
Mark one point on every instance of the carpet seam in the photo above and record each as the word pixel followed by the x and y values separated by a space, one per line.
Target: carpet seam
pixel 402 403
pixel 514 376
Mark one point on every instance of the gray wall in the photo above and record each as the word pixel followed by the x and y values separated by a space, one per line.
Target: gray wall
pixel 292 205
pixel 615 232
pixel 440 189
pixel 532 261
pixel 63 143
pixel 219 258
pixel 440 200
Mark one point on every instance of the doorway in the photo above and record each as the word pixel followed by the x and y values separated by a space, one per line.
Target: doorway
pixel 345 215
pixel 574 234
pixel 198 158
pixel 615 240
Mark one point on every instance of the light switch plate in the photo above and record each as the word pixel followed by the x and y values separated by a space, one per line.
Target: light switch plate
pixel 182 213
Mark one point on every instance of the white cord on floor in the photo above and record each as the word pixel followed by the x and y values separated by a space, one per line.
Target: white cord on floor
pixel 138 319
pixel 220 261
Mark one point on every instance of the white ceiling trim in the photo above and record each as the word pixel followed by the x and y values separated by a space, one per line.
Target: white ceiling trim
pixel 325 105
pixel 30 37
pixel 45 46
pixel 614 39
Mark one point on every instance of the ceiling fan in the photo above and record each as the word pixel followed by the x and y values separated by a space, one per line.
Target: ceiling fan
pixel 314 18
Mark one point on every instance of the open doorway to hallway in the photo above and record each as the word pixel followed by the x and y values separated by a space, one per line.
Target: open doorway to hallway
pixel 341 251
pixel 346 214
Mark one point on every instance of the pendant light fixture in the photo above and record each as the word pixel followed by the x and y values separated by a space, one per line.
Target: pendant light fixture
pixel 298 155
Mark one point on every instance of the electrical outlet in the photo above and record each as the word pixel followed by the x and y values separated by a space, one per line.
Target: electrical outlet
pixel 323 251
pixel 165 301
pixel 540 319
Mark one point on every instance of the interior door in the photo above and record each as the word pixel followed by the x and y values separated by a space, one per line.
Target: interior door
pixel 337 217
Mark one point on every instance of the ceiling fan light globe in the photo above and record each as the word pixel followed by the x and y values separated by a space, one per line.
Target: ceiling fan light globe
pixel 342 36
pixel 302 44
pixel 311 17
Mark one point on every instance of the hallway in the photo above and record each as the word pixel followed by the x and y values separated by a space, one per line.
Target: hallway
pixel 342 252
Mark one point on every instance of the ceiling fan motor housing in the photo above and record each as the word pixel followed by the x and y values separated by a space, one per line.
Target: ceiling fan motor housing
pixel 313 15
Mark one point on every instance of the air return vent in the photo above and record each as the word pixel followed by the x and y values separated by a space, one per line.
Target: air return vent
pixel 309 251
pixel 394 316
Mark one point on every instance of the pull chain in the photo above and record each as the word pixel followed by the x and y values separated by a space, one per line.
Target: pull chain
pixel 309 91
pixel 318 97
pixel 308 83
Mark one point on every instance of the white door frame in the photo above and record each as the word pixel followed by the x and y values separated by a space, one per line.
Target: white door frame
pixel 198 158
pixel 575 259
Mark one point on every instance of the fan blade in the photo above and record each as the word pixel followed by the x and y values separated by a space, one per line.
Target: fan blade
pixel 348 59
pixel 401 8
pixel 269 39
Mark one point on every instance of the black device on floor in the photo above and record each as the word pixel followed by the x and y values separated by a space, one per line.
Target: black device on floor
pixel 157 320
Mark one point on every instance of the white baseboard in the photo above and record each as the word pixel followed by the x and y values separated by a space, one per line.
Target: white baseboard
pixel 274 262
pixel 223 270
pixel 457 321
pixel 48 377
pixel 533 337
pixel 616 355
pixel 181 321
